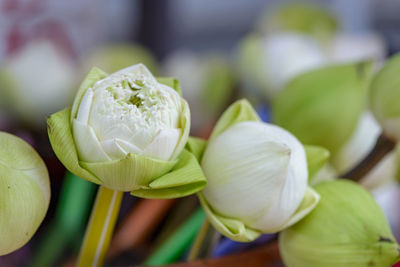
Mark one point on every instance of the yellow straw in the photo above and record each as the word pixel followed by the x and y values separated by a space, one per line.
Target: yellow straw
pixel 100 228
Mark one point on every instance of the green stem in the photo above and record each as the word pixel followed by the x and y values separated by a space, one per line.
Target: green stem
pixel 100 228
pixel 197 245
pixel 173 248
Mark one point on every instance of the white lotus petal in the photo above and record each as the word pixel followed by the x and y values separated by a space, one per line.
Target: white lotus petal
pixel 85 107
pixel 256 172
pixel 87 144
pixel 164 144
pixel 359 145
pixel 129 147
pixel 112 148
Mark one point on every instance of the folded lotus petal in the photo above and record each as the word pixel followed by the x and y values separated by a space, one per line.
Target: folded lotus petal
pixel 310 200
pixel 85 107
pixel 317 157
pixel 163 144
pixel 130 173
pixel 94 75
pixel 185 125
pixel 113 149
pixel 129 147
pixel 185 178
pixel 60 135
pixel 109 130
pixel 140 71
pixel 89 147
pixel 239 111
pixel 229 227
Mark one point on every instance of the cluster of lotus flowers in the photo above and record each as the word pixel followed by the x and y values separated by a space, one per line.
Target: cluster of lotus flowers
pixel 129 131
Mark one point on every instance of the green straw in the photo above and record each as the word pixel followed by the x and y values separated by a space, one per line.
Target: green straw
pixel 72 212
pixel 173 248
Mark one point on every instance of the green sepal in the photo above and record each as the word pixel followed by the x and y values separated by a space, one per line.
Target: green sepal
pixel 322 107
pixel 185 178
pixel 196 146
pixel 129 173
pixel 239 111
pixel 238 231
pixel 316 158
pixel 229 227
pixel 62 142
pixel 171 82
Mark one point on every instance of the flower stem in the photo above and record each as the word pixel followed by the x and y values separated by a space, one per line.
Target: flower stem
pixel 383 146
pixel 100 228
pixel 198 242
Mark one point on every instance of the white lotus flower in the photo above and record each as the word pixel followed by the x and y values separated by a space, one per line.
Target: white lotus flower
pixel 129 112
pixel 287 55
pixel 257 173
pixel 37 81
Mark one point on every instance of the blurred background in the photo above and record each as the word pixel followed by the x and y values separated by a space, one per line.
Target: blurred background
pixel 219 50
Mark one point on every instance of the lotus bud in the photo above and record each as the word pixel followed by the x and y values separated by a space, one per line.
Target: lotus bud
pixel 279 57
pixel 36 82
pixel 24 192
pixel 385 97
pixel 347 228
pixel 126 131
pixel 322 107
pixel 257 176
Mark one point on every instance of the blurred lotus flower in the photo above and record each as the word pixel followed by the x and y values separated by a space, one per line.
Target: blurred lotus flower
pixel 385 97
pixel 348 48
pixel 113 57
pixel 302 18
pixel 257 175
pixel 24 192
pixel 36 82
pixel 207 80
pixel 347 228
pixel 269 62
pixel 126 131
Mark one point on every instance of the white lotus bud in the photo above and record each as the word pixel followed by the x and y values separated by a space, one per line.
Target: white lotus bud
pixel 129 112
pixel 257 173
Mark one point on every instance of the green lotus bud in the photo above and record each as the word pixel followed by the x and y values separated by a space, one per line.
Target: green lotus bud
pixel 113 57
pixel 347 228
pixel 126 131
pixel 385 97
pixel 36 82
pixel 302 18
pixel 257 176
pixel 322 107
pixel 24 192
